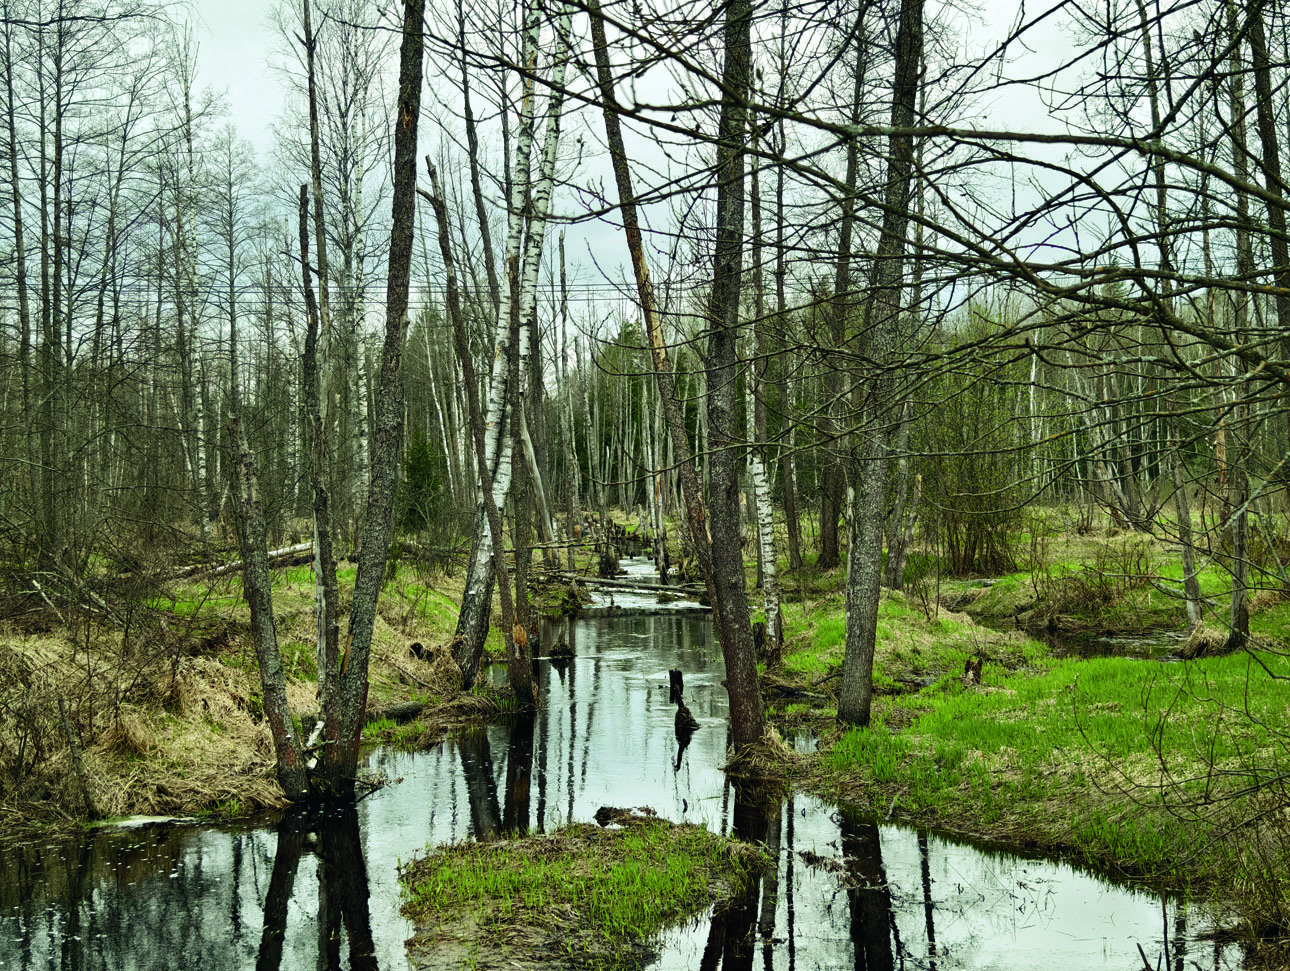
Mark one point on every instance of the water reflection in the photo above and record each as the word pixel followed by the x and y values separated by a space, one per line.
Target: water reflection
pixel 868 897
pixel 308 891
pixel 481 783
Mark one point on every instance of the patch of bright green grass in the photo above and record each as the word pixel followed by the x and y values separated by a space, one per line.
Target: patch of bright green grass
pixel 431 605
pixel 187 599
pixel 1074 753
pixel 825 643
pixel 1272 623
pixel 604 888
pixel 378 728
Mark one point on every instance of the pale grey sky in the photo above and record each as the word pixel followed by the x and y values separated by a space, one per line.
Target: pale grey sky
pixel 235 39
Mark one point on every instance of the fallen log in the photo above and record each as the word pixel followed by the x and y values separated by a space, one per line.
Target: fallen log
pixel 299 552
pixel 567 577
pixel 400 712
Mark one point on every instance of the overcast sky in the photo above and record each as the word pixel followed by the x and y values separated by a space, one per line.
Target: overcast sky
pixel 235 38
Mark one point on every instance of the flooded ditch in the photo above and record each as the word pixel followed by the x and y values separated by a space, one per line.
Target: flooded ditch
pixel 319 890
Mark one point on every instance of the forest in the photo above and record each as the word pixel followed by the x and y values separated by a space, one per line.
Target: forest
pixel 820 304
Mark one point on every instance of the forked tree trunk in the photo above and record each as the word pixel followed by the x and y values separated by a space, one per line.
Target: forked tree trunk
pixel 864 562
pixel 338 765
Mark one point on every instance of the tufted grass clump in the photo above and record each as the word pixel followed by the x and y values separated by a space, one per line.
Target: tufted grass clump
pixel 601 892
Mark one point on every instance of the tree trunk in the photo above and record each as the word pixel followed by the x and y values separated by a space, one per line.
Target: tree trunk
pixel 1164 241
pixel 897 552
pixel 344 715
pixel 518 298
pixel 864 567
pixel 840 310
pixel 326 591
pixel 488 491
pixel 746 713
pixel 756 381
pixel 1238 436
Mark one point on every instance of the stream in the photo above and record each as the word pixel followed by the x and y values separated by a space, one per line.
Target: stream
pixel 319 890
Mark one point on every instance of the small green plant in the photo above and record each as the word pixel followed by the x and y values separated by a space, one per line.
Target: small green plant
pixel 379 728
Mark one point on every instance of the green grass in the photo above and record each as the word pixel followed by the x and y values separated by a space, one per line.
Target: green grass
pixel 1074 753
pixel 617 886
pixel 379 727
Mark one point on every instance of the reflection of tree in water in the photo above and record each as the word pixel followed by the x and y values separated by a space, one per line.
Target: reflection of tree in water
pixel 281 884
pixel 481 783
pixel 342 881
pixel 868 895
pixel 519 775
pixel 731 941
pixel 342 889
pixel 924 866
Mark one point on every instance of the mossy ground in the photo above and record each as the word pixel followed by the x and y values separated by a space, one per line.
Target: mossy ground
pixel 582 896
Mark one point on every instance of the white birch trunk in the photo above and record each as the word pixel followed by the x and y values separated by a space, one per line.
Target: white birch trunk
pixel 472 622
pixel 199 427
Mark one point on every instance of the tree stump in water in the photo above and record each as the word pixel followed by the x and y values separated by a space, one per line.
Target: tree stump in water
pixel 677 686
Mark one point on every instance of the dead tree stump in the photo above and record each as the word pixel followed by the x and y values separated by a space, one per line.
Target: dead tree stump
pixel 677 686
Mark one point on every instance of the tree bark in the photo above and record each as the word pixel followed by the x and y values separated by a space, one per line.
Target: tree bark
pixel 326 591
pixel 882 318
pixel 344 716
pixel 472 658
pixel 1238 436
pixel 476 603
pixel 747 716
pixel 840 312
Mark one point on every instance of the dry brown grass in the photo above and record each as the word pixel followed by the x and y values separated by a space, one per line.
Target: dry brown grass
pixel 168 717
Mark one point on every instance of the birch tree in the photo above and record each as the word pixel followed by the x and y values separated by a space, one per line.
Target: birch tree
pixel 529 197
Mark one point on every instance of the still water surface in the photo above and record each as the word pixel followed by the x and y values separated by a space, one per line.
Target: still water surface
pixel 319 891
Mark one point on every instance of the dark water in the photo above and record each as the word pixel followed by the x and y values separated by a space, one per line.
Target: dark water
pixel 310 891
pixel 1150 646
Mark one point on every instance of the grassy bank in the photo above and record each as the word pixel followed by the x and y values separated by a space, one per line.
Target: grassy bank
pixel 163 696
pixel 580 895
pixel 1167 771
